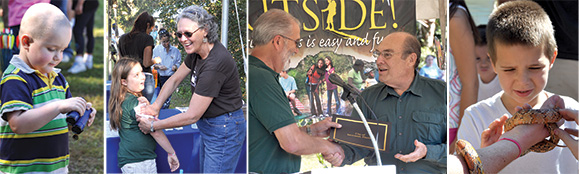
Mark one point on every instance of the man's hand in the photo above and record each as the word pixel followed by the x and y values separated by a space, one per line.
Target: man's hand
pixel 335 154
pixel 322 128
pixel 160 67
pixel 569 115
pixel 419 153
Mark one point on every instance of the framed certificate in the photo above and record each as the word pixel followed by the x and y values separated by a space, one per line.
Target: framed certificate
pixel 353 132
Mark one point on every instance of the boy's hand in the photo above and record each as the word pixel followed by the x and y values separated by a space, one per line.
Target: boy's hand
pixel 173 161
pixel 92 113
pixel 492 134
pixel 72 104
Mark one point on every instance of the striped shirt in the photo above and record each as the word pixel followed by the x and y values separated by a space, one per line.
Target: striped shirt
pixel 43 150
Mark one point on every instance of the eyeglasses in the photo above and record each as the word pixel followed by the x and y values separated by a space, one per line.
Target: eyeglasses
pixel 295 41
pixel 385 54
pixel 187 34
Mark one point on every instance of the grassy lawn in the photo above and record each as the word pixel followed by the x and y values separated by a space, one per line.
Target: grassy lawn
pixel 86 153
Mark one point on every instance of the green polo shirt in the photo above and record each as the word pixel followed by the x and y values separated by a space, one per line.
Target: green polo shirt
pixel 418 114
pixel 134 145
pixel 269 110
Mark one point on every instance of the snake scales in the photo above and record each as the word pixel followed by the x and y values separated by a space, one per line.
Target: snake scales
pixel 548 117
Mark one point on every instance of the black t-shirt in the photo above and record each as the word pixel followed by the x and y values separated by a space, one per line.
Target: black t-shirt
pixel 134 46
pixel 216 76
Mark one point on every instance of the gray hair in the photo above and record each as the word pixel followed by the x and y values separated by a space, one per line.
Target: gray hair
pixel 203 19
pixel 270 24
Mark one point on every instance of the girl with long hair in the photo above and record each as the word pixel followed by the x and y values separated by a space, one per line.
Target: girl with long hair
pixel 315 74
pixel 330 87
pixel 139 44
pixel 136 150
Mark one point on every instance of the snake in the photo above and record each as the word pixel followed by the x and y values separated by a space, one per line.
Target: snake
pixel 473 162
pixel 548 117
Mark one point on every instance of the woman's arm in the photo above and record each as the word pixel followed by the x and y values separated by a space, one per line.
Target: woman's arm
pixel 462 43
pixel 148 56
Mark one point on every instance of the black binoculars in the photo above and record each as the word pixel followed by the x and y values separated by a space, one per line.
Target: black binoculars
pixel 78 122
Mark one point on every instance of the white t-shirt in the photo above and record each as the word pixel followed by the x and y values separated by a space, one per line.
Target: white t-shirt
pixel 486 90
pixel 479 116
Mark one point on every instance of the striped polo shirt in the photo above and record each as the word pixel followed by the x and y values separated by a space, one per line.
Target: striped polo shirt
pixel 43 150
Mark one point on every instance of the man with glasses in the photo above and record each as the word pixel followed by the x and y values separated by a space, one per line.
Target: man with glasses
pixel 275 140
pixel 170 60
pixel 414 105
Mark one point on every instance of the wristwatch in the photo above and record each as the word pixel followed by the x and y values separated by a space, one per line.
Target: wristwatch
pixel 152 129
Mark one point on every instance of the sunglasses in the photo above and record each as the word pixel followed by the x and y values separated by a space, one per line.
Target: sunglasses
pixel 187 34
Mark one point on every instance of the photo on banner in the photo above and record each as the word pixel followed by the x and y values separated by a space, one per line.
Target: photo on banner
pixel 340 38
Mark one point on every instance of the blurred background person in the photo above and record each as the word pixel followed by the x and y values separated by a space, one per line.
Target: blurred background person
pixel 170 60
pixel 431 70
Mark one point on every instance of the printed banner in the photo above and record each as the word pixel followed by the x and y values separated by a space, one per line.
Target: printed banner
pixel 351 27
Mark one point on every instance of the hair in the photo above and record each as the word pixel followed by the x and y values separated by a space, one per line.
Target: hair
pixel 118 91
pixel 452 10
pixel 163 33
pixel 412 45
pixel 270 24
pixel 320 70
pixel 483 35
pixel 203 19
pixel 142 23
pixel 41 19
pixel 520 22
pixel 331 61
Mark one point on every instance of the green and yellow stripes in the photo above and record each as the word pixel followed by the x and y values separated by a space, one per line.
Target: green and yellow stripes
pixel 46 94
pixel 11 77
pixel 11 69
pixel 15 104
pixel 54 127
pixel 35 165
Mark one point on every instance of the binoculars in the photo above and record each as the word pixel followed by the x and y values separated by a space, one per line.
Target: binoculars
pixel 77 121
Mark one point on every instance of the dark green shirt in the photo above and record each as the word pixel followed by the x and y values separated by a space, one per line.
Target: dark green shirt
pixel 418 114
pixel 134 145
pixel 269 110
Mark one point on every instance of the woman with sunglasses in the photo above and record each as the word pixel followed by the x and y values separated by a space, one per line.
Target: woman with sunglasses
pixel 138 44
pixel 216 102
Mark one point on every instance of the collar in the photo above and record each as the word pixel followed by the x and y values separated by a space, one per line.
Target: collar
pixel 258 63
pixel 415 87
pixel 20 64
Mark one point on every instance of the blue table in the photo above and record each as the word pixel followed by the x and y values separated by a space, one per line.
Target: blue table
pixel 186 141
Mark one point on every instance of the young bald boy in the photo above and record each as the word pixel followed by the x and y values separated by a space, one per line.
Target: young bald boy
pixel 522 49
pixel 35 97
